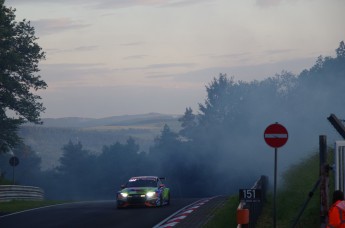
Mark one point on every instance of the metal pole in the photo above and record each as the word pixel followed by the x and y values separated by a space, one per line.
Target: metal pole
pixel 275 189
pixel 324 180
pixel 13 174
pixel 311 193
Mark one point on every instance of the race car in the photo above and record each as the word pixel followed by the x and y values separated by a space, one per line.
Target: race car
pixel 145 191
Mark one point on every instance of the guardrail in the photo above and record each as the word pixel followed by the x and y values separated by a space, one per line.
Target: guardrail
pixel 19 192
pixel 253 210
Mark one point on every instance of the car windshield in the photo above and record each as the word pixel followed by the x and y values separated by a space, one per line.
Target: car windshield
pixel 141 183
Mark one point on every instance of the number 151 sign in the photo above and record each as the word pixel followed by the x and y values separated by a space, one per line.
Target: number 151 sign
pixel 250 195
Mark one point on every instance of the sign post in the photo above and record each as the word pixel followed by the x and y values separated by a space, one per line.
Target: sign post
pixel 275 136
pixel 14 161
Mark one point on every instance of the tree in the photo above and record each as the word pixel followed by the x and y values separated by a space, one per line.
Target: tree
pixel 341 50
pixel 216 106
pixel 29 168
pixel 75 171
pixel 121 160
pixel 165 146
pixel 168 138
pixel 19 58
pixel 188 123
pixel 74 159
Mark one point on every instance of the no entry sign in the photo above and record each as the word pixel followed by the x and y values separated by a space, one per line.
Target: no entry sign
pixel 276 135
pixel 14 161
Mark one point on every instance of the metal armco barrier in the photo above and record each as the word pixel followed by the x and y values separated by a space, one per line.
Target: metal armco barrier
pixel 19 192
pixel 254 208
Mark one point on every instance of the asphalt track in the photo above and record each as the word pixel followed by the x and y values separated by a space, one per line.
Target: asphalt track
pixel 98 214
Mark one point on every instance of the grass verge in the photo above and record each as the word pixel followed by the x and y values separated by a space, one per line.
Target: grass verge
pixel 226 215
pixel 292 195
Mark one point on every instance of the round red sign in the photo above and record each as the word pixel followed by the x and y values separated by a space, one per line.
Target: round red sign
pixel 276 135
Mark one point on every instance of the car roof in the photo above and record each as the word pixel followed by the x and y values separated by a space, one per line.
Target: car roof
pixel 144 177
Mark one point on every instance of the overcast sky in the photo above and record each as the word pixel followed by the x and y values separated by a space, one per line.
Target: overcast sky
pixel 117 57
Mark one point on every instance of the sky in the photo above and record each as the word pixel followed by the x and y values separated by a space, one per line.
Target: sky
pixel 124 57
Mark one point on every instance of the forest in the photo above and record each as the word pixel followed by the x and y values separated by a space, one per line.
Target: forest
pixel 219 147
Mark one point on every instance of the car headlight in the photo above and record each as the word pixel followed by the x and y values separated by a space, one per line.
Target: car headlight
pixel 150 194
pixel 124 194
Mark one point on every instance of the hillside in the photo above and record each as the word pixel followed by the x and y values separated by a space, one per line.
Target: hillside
pixel 120 121
pixel 297 181
pixel 49 138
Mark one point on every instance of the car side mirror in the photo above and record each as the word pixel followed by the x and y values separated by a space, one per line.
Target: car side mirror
pixel 122 186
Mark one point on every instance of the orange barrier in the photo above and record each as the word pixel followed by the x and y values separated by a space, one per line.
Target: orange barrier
pixel 242 216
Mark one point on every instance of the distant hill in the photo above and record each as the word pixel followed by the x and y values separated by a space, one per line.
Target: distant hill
pixel 124 120
pixel 48 139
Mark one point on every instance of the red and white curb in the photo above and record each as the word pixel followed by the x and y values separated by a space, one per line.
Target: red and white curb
pixel 178 216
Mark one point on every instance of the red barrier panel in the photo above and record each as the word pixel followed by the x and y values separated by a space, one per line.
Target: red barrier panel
pixel 242 216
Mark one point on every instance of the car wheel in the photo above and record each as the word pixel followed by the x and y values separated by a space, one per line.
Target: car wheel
pixel 160 201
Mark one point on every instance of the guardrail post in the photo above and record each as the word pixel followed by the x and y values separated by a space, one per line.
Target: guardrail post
pixel 324 175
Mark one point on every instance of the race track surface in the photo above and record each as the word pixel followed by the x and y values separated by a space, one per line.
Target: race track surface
pixel 98 214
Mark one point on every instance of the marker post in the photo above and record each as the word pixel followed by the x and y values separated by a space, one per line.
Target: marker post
pixel 275 136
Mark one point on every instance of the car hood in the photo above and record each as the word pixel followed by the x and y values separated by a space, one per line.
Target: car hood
pixel 138 190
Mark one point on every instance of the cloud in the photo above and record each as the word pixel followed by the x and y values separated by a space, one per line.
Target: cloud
pixel 268 3
pixel 10 2
pixel 157 66
pixel 272 3
pixel 184 3
pixel 278 51
pixel 114 3
pixel 245 73
pixel 52 51
pixel 160 75
pixel 232 56
pixel 135 57
pixel 76 75
pixel 132 44
pixel 50 26
pixel 85 48
pixel 171 65
pixel 158 3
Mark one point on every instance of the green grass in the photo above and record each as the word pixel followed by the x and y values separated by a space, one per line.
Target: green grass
pixel 4 181
pixel 21 205
pixel 296 184
pixel 225 216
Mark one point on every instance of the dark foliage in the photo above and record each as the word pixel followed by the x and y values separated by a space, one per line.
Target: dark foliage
pixel 19 58
pixel 28 171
